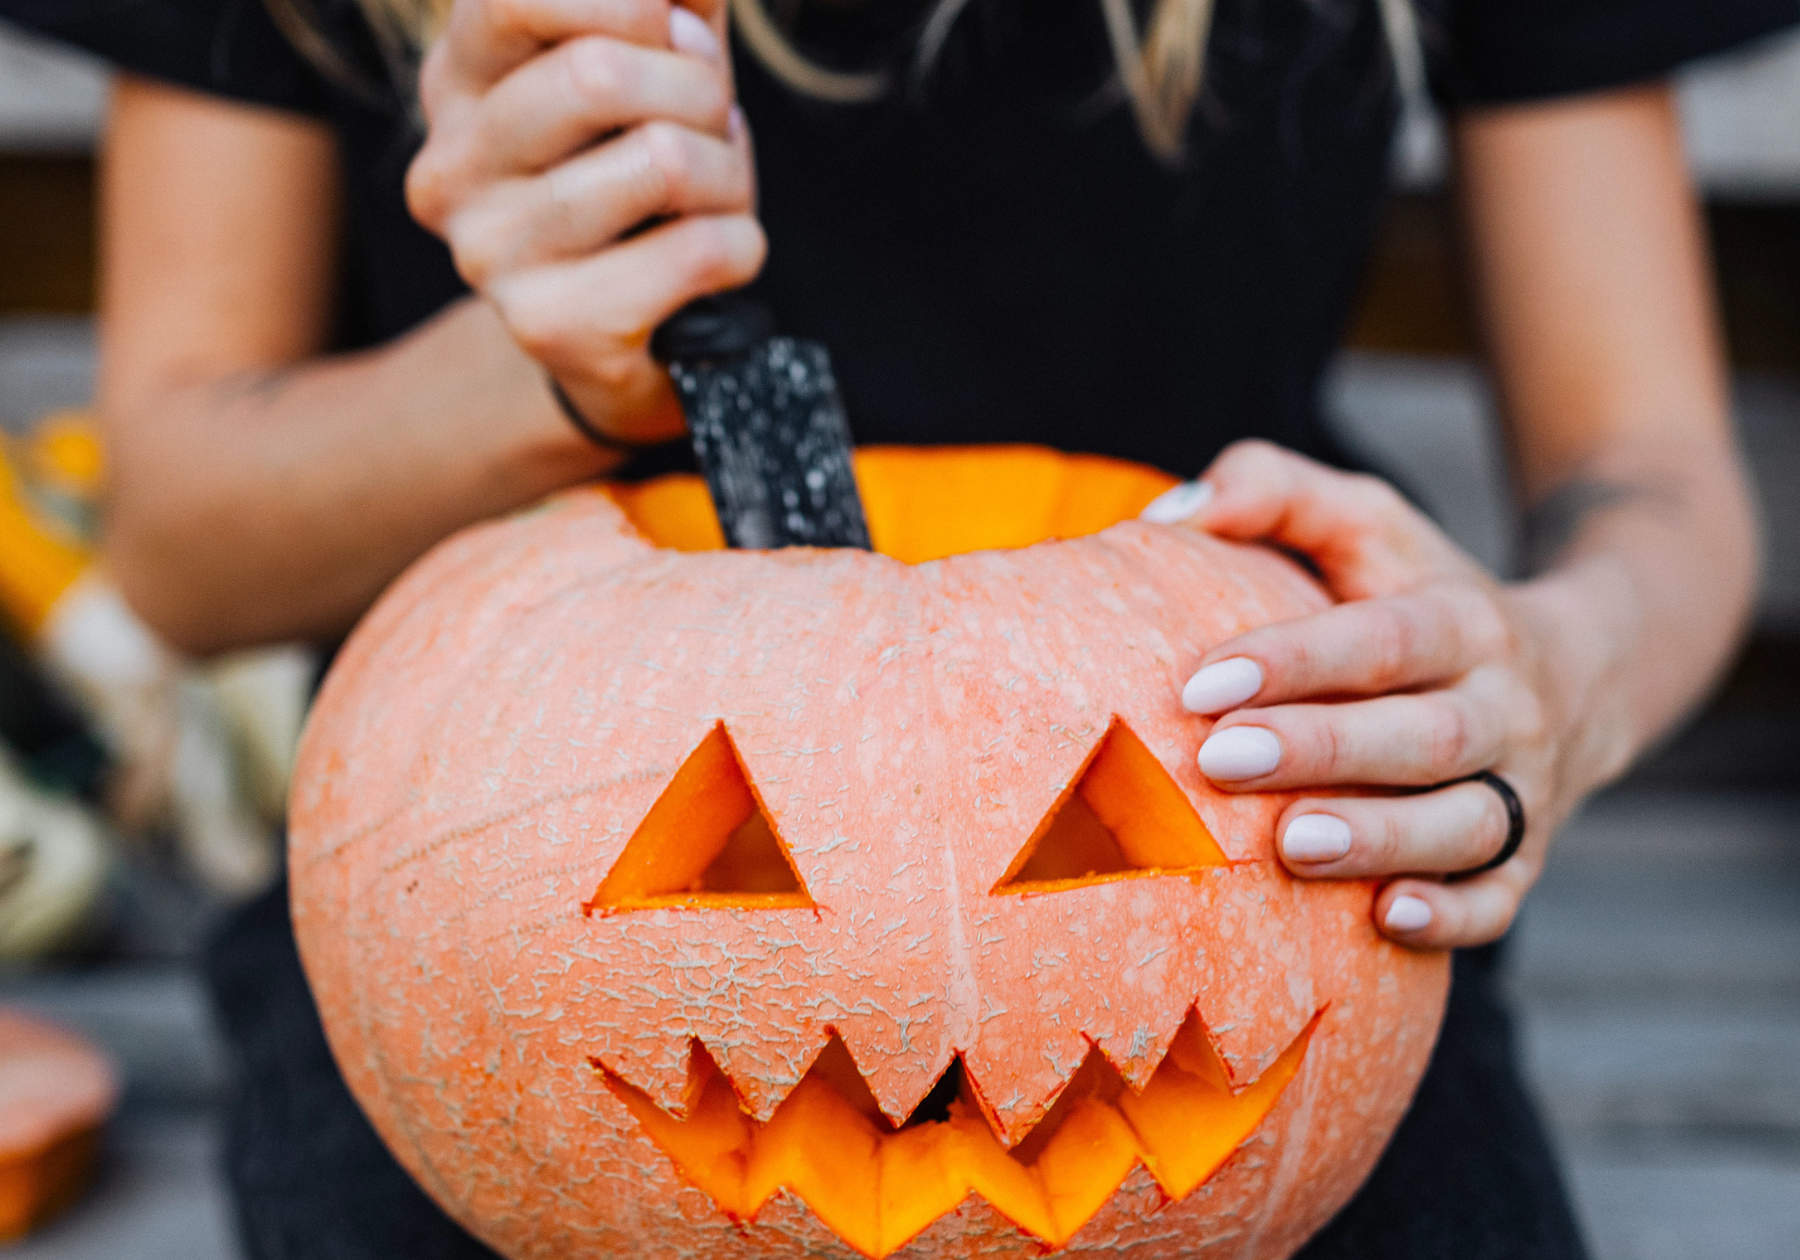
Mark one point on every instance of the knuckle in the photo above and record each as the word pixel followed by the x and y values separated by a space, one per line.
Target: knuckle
pixel 1328 748
pixel 667 164
pixel 597 72
pixel 1393 642
pixel 427 189
pixel 1371 495
pixel 535 324
pixel 1251 454
pixel 1450 734
pixel 475 248
pixel 713 254
pixel 1385 843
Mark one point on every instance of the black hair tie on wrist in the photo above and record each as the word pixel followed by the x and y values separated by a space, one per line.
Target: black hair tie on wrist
pixel 1515 822
pixel 585 427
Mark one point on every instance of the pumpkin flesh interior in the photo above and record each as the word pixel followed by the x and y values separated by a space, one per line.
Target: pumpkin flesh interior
pixel 925 503
pixel 877 1185
pixel 1121 817
pixel 707 841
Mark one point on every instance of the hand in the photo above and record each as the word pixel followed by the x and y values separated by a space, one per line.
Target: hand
pixel 1428 671
pixel 557 129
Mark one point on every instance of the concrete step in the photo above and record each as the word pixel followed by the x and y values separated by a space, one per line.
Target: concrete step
pixel 1688 1201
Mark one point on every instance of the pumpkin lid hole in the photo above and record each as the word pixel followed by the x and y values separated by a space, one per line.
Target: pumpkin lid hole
pixel 1121 817
pixel 706 842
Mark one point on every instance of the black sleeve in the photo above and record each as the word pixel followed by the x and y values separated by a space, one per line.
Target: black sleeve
pixel 232 48
pixel 1495 51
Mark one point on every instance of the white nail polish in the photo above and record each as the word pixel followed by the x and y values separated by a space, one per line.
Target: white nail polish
pixel 1222 685
pixel 1177 504
pixel 1316 838
pixel 1240 752
pixel 1408 914
pixel 689 33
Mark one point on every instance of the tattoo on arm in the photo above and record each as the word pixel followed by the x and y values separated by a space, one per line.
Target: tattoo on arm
pixel 262 385
pixel 1554 521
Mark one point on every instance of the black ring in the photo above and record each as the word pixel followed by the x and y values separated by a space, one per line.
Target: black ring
pixel 1515 822
pixel 586 428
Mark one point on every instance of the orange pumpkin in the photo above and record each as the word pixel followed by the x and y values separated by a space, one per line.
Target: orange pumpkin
pixel 671 902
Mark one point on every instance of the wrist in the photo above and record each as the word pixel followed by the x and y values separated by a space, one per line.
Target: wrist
pixel 1584 623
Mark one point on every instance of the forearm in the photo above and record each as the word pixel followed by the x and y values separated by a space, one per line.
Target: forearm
pixel 278 505
pixel 1644 563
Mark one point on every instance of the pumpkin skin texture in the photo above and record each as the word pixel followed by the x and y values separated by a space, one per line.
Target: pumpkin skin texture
pixel 648 891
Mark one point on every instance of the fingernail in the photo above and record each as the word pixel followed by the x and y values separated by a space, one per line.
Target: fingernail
pixel 736 124
pixel 1240 752
pixel 1316 838
pixel 1222 685
pixel 1408 914
pixel 689 33
pixel 1178 504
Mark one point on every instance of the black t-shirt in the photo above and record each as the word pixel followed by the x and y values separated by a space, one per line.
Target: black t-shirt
pixel 991 255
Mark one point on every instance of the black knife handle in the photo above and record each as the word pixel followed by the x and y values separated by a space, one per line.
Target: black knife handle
pixel 718 327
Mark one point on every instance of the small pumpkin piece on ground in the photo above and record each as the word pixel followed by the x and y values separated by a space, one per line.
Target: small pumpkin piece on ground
pixel 56 1092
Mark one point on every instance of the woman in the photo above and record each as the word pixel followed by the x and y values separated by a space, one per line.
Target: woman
pixel 1010 221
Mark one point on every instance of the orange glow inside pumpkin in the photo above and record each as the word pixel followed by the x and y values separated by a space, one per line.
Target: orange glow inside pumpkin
pixel 1121 817
pixel 877 1185
pixel 924 503
pixel 706 842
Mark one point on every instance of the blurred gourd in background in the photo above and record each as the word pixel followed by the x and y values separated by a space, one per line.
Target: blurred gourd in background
pixel 113 745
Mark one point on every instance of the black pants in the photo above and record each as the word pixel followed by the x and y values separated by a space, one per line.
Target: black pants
pixel 1469 1175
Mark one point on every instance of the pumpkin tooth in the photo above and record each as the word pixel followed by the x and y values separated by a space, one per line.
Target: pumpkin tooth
pixel 877 1186
pixel 901 1060
pixel 763 1071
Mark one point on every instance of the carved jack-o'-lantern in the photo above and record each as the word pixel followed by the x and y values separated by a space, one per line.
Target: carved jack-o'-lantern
pixel 667 902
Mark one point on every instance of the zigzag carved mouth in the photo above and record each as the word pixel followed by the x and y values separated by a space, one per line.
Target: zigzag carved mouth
pixel 877 1185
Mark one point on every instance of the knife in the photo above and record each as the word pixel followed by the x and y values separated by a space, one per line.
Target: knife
pixel 767 424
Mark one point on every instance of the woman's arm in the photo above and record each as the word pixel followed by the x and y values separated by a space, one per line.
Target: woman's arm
pixel 1595 292
pixel 261 493
pixel 257 492
pixel 1592 282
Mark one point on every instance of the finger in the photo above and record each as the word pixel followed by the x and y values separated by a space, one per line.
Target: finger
pixel 1365 538
pixel 569 316
pixel 657 170
pixel 487 39
pixel 1368 647
pixel 1426 914
pixel 1402 740
pixel 1440 832
pixel 562 101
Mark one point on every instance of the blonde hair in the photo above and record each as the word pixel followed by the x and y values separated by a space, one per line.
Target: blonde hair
pixel 1160 69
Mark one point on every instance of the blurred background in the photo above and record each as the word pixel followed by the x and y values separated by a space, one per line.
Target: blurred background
pixel 1657 967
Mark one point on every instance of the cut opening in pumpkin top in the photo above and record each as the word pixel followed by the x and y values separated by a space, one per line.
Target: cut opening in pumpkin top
pixel 925 503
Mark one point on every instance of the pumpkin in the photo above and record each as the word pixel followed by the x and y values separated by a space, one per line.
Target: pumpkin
pixel 668 901
pixel 56 1092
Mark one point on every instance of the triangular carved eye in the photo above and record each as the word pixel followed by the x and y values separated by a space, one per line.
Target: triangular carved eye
pixel 706 842
pixel 1123 816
